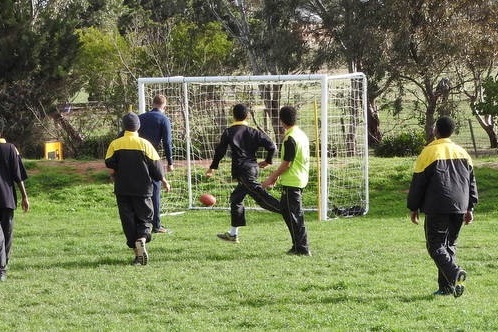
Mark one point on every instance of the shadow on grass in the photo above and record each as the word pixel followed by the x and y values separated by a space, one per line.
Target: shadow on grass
pixel 342 298
pixel 75 264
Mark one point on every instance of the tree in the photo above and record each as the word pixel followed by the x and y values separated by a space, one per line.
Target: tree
pixel 425 47
pixel 353 34
pixel 101 65
pixel 486 109
pixel 38 46
pixel 271 38
pixel 476 69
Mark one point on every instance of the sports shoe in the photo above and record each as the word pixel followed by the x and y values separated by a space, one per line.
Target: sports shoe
pixel 135 261
pixel 298 253
pixel 291 251
pixel 162 230
pixel 459 286
pixel 228 237
pixel 3 277
pixel 443 291
pixel 142 255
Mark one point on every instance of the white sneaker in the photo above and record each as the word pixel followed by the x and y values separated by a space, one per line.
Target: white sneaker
pixel 141 252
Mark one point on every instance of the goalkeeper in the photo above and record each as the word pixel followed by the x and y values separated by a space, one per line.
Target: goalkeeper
pixel 244 142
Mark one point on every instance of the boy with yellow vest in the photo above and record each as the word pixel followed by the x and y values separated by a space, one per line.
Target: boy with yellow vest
pixel 292 175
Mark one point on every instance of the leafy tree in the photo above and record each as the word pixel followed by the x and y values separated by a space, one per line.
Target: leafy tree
pixel 100 65
pixel 200 49
pixel 425 49
pixel 38 46
pixel 353 34
pixel 165 41
pixel 476 70
pixel 487 109
pixel 270 36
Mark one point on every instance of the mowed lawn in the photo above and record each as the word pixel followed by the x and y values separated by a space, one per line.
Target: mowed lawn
pixel 70 269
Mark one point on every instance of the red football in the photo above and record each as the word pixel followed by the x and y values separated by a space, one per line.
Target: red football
pixel 207 199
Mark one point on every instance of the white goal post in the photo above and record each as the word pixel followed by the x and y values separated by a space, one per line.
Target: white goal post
pixel 332 112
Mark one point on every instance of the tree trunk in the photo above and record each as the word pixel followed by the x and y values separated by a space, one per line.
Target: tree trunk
pixel 271 96
pixel 487 123
pixel 431 98
pixel 373 123
pixel 74 138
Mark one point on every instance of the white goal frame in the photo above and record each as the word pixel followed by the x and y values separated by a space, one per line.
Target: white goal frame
pixel 339 97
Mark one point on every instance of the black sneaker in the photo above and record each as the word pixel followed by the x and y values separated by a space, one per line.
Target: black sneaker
pixel 459 286
pixel 298 253
pixel 291 251
pixel 228 237
pixel 443 291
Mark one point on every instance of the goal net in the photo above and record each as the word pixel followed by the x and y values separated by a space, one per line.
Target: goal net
pixel 331 110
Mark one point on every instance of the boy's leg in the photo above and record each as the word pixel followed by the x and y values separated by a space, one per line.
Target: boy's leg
pixel 237 209
pixel 6 223
pixel 258 193
pixel 127 216
pixel 237 214
pixel 441 235
pixel 293 214
pixel 144 211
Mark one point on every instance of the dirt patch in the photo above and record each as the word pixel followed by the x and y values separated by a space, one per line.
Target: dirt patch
pixel 490 164
pixel 78 166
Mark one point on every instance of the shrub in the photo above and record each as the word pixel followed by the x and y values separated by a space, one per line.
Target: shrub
pixel 403 145
pixel 95 147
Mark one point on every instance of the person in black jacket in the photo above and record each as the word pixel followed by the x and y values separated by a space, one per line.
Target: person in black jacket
pixel 12 172
pixel 443 187
pixel 135 164
pixel 244 142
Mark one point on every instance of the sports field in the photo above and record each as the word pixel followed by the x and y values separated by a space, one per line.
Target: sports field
pixel 70 269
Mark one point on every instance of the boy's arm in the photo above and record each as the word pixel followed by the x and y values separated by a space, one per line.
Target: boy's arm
pixel 25 201
pixel 219 153
pixel 273 177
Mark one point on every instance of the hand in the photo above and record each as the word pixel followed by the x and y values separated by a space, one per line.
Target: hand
pixel 414 217
pixel 268 183
pixel 166 186
pixel 169 168
pixel 263 164
pixel 25 204
pixel 210 172
pixel 468 217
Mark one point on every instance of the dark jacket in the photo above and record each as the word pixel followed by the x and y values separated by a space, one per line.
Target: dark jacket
pixel 443 180
pixel 244 142
pixel 12 171
pixel 156 128
pixel 136 164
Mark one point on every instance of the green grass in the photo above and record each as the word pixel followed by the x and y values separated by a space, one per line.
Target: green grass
pixel 70 269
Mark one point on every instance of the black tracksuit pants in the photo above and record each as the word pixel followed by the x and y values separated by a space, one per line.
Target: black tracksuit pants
pixel 441 234
pixel 292 211
pixel 136 215
pixel 248 185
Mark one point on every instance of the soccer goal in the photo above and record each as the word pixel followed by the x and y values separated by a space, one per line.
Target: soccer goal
pixel 332 111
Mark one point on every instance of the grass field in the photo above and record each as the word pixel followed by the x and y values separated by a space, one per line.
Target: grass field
pixel 70 269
